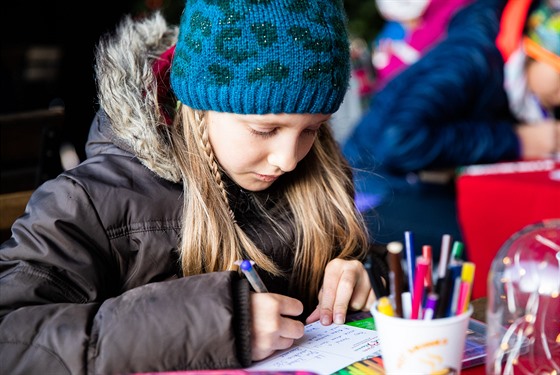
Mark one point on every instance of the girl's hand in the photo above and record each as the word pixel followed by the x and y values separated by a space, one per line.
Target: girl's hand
pixel 271 326
pixel 346 285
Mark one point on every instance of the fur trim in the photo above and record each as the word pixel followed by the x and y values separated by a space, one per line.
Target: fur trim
pixel 127 90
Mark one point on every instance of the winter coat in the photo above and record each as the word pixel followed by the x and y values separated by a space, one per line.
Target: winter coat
pixel 90 281
pixel 447 110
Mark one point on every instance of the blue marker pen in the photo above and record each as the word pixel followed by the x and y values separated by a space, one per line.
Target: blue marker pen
pixel 252 275
pixel 410 258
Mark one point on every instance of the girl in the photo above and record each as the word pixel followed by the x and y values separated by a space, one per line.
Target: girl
pixel 212 145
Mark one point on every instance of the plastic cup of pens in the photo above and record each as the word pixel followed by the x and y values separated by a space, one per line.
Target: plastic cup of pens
pixel 419 346
pixel 423 330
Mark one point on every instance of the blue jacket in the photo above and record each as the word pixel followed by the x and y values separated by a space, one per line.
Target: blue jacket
pixel 447 110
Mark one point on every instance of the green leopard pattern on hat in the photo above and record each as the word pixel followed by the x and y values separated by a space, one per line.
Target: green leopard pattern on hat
pixel 262 56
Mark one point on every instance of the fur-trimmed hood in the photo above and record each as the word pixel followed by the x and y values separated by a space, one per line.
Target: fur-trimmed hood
pixel 132 113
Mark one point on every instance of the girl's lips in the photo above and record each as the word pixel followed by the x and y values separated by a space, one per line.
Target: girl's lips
pixel 267 177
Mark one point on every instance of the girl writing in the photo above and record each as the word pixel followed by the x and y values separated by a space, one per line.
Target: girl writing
pixel 211 145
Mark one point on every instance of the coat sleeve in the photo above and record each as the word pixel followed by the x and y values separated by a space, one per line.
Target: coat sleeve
pixel 61 311
pixel 448 109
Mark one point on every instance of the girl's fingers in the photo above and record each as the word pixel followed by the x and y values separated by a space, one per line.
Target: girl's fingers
pixel 291 329
pixel 273 327
pixel 314 316
pixel 280 343
pixel 363 295
pixel 342 277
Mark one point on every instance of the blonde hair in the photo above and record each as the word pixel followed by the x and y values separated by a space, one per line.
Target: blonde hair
pixel 318 194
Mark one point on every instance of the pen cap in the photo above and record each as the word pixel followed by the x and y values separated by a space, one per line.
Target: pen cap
pixel 246 265
pixel 523 311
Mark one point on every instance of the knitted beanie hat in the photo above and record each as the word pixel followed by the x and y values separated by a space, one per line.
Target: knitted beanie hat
pixel 542 40
pixel 262 56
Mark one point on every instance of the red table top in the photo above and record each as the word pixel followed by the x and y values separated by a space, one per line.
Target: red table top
pixel 495 201
pixel 476 370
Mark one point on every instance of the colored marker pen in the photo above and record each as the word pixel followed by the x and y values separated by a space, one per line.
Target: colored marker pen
pixel 430 307
pixel 422 265
pixel 394 250
pixel 384 306
pixel 251 274
pixel 410 258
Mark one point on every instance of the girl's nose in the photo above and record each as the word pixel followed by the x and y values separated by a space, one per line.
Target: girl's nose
pixel 284 156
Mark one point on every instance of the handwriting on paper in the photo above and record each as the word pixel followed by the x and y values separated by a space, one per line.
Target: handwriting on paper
pixel 324 349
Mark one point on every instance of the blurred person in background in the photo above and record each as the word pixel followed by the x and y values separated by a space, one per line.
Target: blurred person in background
pixel 449 109
pixel 532 65
pixel 356 99
pixel 412 27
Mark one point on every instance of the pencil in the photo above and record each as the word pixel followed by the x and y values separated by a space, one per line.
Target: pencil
pixel 251 274
pixel 394 253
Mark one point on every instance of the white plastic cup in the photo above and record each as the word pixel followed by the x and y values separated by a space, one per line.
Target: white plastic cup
pixel 417 346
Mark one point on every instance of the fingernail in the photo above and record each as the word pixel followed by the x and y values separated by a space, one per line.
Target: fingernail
pixel 325 320
pixel 339 319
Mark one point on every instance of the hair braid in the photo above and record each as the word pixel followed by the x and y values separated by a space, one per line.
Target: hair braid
pixel 211 240
pixel 209 152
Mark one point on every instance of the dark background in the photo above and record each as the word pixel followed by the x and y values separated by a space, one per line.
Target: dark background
pixel 47 51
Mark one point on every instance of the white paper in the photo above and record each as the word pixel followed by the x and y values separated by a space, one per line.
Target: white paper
pixel 324 350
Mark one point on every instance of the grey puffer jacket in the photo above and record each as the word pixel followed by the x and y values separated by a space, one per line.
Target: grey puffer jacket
pixel 90 281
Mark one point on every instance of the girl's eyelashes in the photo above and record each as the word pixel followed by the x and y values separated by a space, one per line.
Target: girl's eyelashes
pixel 271 132
pixel 265 134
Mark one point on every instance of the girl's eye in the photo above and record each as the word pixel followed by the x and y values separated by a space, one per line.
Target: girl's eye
pixel 271 132
pixel 266 134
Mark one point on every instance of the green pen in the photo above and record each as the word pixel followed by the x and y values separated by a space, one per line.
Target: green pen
pixel 457 251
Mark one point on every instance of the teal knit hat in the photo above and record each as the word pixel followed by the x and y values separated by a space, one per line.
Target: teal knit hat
pixel 262 56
